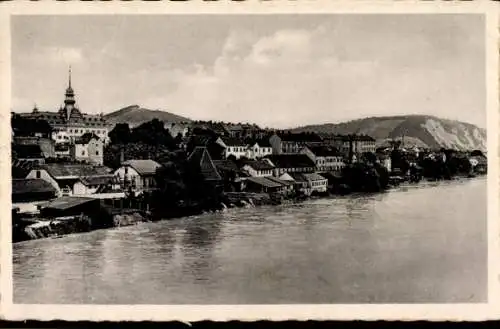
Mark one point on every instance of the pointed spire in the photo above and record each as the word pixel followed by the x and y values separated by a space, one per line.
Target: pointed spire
pixel 69 77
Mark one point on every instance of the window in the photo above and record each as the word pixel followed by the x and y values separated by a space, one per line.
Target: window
pixel 38 174
pixel 96 152
pixel 83 153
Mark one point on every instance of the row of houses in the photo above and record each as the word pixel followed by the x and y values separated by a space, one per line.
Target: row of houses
pixel 88 148
pixel 273 173
pixel 287 143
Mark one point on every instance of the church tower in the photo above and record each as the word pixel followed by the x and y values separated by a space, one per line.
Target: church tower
pixel 69 100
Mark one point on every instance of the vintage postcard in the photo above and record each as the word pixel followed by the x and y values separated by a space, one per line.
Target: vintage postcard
pixel 278 161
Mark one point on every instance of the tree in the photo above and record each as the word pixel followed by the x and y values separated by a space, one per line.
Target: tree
pixel 477 153
pixel 178 138
pixel 369 157
pixel 153 133
pixel 120 134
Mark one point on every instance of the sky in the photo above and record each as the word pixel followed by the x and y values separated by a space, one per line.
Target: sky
pixel 278 71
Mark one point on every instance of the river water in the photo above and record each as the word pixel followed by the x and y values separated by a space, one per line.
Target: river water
pixel 418 244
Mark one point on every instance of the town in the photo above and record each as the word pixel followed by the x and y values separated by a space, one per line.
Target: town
pixel 75 172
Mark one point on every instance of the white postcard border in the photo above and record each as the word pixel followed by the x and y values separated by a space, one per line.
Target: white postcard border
pixel 190 313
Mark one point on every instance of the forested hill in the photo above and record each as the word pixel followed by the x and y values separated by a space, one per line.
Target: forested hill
pixel 135 115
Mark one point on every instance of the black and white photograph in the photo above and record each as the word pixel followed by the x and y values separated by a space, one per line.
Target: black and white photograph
pixel 249 159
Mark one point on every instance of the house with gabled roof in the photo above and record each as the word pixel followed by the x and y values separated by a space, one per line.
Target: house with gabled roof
pixel 233 146
pixel 258 168
pixel 28 193
pixel 63 176
pixel 258 148
pixel 88 148
pixel 201 161
pixel 289 163
pixel 326 158
pixel 139 175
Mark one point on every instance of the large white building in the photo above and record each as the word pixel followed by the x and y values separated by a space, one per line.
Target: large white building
pixel 69 123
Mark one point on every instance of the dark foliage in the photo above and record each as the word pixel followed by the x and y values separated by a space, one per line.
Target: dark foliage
pixel 29 127
pixel 120 134
pixel 364 177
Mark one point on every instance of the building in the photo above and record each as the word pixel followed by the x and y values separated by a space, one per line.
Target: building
pixel 138 174
pixel 289 163
pixel 28 153
pixel 47 145
pixel 88 148
pixel 200 163
pixel 258 168
pixel 258 148
pixel 176 128
pixel 309 183
pixel 63 176
pixel 291 143
pixel 69 123
pixel 28 193
pixel 230 174
pixel 325 158
pixel 29 127
pixel 232 146
pixel 96 185
pixel 359 143
pixel 70 206
pixel 479 164
pixel 265 185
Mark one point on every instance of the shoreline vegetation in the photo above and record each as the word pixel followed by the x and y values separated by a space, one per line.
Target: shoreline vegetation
pixel 181 189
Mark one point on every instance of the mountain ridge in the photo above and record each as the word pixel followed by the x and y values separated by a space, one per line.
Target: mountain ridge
pixel 419 130
pixel 136 115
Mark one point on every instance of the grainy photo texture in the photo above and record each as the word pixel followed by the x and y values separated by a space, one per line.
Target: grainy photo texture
pixel 249 159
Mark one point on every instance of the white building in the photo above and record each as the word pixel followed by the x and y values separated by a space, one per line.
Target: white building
pixel 66 178
pixel 258 168
pixel 326 159
pixel 259 149
pixel 232 146
pixel 138 174
pixel 89 148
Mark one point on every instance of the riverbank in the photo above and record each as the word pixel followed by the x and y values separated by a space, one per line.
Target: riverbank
pixel 352 249
pixel 39 228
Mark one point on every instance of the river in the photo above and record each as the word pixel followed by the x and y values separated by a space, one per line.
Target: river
pixel 417 244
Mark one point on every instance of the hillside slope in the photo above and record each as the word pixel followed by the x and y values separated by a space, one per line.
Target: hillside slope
pixel 419 130
pixel 135 115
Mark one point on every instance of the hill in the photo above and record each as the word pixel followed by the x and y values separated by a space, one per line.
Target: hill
pixel 419 130
pixel 135 115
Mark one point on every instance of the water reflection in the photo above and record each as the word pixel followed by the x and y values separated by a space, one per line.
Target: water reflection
pixel 199 240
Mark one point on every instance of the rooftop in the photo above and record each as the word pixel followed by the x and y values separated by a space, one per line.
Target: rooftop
pixel 143 167
pixel 258 165
pixel 264 182
pixel 21 186
pixel 202 160
pixel 323 151
pixel 313 176
pixel 98 180
pixel 300 137
pixel 262 142
pixel 27 151
pixel 61 170
pixel 229 141
pixel 67 202
pixel 227 165
pixel 291 160
pixel 86 138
